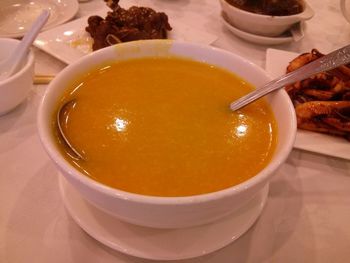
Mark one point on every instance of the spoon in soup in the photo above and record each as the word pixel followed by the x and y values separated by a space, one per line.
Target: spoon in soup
pixel 62 119
pixel 327 62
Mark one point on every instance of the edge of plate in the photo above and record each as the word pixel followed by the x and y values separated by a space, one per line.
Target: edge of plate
pixel 72 7
pixel 307 140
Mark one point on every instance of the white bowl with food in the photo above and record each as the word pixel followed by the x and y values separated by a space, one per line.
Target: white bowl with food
pixel 156 143
pixel 265 21
pixel 15 88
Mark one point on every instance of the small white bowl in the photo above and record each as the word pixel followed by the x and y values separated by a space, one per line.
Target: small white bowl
pixel 264 25
pixel 15 89
pixel 257 39
pixel 167 212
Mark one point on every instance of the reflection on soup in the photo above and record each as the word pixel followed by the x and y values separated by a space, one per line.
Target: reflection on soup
pixel 162 127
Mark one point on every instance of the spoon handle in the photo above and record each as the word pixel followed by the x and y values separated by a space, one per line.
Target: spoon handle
pixel 327 62
pixel 23 47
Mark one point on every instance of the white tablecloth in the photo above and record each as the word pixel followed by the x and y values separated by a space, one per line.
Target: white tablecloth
pixel 307 216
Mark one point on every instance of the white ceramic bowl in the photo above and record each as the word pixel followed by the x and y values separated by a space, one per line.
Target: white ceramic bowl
pixel 167 212
pixel 264 25
pixel 15 89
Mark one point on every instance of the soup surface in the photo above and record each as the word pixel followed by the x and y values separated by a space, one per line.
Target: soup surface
pixel 163 127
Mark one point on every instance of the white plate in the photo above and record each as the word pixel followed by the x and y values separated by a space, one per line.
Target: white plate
pixel 160 244
pixel 257 39
pixel 16 16
pixel 70 41
pixel 276 64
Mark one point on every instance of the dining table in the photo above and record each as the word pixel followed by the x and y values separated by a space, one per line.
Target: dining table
pixel 307 214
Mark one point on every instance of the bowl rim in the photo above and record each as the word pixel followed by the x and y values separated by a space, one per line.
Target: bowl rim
pixel 48 142
pixel 306 14
pixel 25 67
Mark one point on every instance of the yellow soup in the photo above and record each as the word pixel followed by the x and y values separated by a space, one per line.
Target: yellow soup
pixel 162 127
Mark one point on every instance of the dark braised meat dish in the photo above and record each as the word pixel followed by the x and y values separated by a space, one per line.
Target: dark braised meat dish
pixel 123 25
pixel 322 102
pixel 269 7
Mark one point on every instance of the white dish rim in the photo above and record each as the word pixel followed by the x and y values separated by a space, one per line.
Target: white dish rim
pixel 71 9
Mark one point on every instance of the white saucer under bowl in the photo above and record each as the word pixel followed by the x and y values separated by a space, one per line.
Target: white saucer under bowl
pixel 160 244
pixel 257 39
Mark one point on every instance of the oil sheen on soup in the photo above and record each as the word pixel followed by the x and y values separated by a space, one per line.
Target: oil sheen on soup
pixel 163 127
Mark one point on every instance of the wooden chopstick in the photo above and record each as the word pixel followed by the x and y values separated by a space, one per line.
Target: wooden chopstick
pixel 42 79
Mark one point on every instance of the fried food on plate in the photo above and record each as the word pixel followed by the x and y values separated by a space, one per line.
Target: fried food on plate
pixel 123 25
pixel 322 102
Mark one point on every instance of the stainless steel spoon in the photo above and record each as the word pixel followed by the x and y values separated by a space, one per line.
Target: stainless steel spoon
pixel 327 62
pixel 62 118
